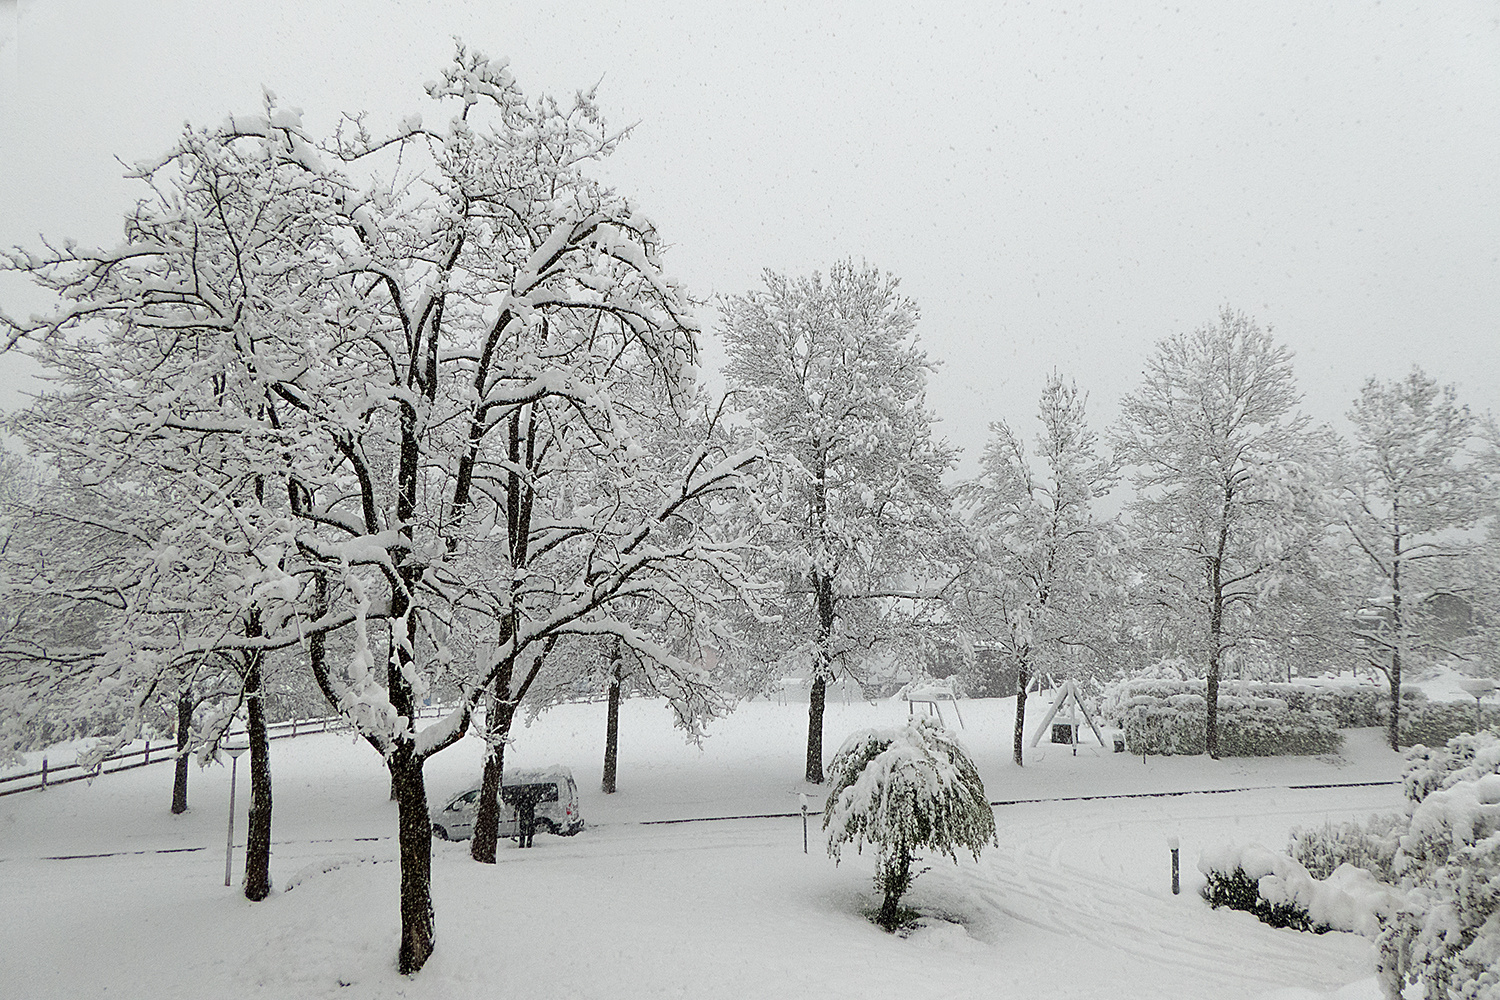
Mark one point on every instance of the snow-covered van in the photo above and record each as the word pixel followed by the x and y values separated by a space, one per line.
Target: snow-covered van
pixel 552 788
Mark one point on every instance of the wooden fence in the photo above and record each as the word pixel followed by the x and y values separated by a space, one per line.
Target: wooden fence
pixel 162 752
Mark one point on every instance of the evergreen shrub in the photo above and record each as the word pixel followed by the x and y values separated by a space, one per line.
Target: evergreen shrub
pixel 1239 891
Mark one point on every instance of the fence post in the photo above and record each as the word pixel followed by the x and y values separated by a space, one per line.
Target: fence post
pixel 147 758
pixel 294 727
pixel 44 773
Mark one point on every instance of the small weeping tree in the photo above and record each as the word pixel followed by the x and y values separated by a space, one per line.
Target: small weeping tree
pixel 903 790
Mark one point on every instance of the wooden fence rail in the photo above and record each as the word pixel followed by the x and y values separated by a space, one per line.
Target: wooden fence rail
pixel 61 774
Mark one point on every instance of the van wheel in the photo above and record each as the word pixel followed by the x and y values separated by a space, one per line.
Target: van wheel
pixel 439 832
pixel 546 826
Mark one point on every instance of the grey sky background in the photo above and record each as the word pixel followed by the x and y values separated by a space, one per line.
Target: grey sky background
pixel 1055 185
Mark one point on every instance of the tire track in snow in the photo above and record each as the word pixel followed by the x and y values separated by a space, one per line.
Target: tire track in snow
pixel 1070 872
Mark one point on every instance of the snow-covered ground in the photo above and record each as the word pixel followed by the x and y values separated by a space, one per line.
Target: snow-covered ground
pixel 1076 901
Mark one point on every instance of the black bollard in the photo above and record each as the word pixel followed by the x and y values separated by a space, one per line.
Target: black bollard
pixel 804 823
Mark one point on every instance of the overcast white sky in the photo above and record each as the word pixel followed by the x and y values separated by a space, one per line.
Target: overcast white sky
pixel 1056 185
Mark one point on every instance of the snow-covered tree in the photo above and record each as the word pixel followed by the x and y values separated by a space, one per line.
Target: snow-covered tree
pixel 161 569
pixel 1413 488
pixel 903 790
pixel 195 700
pixel 50 621
pixel 833 377
pixel 1227 501
pixel 1040 548
pixel 346 343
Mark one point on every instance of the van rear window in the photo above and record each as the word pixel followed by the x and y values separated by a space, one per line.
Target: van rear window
pixel 537 793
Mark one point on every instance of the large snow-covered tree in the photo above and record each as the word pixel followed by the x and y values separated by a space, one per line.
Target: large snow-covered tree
pixel 1040 548
pixel 1413 489
pixel 1227 501
pixel 557 474
pixel 167 569
pixel 51 544
pixel 361 331
pixel 902 790
pixel 832 375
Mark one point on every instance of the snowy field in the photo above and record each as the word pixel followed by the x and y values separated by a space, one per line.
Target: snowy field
pixel 1075 902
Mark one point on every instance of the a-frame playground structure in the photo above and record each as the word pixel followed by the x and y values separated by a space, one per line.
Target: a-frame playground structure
pixel 1064 693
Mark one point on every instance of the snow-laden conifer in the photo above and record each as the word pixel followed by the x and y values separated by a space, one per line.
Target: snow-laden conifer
pixel 902 790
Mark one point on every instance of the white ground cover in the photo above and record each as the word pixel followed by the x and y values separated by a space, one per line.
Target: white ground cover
pixel 1076 901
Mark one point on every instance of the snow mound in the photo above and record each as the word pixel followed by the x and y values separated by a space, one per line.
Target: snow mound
pixel 943 935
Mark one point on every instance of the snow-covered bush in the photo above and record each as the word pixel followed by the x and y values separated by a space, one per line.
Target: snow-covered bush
pixel 1463 758
pixel 1282 893
pixel 1446 933
pixel 1370 845
pixel 1238 891
pixel 902 790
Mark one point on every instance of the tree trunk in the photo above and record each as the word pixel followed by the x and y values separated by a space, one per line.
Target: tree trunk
pixel 1393 734
pixel 815 731
pixel 1211 718
pixel 487 823
pixel 895 877
pixel 1215 657
pixel 1023 678
pixel 390 657
pixel 258 829
pixel 184 735
pixel 823 593
pixel 1398 634
pixel 612 728
pixel 414 837
pixel 1216 629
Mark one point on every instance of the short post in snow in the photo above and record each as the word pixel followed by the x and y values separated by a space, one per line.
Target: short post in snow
pixel 1176 885
pixel 234 750
pixel 804 822
pixel 44 774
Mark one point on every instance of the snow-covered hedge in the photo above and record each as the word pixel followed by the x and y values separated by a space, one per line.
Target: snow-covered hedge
pixel 1353 705
pixel 1434 723
pixel 1370 845
pixel 1282 893
pixel 1446 934
pixel 1248 727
